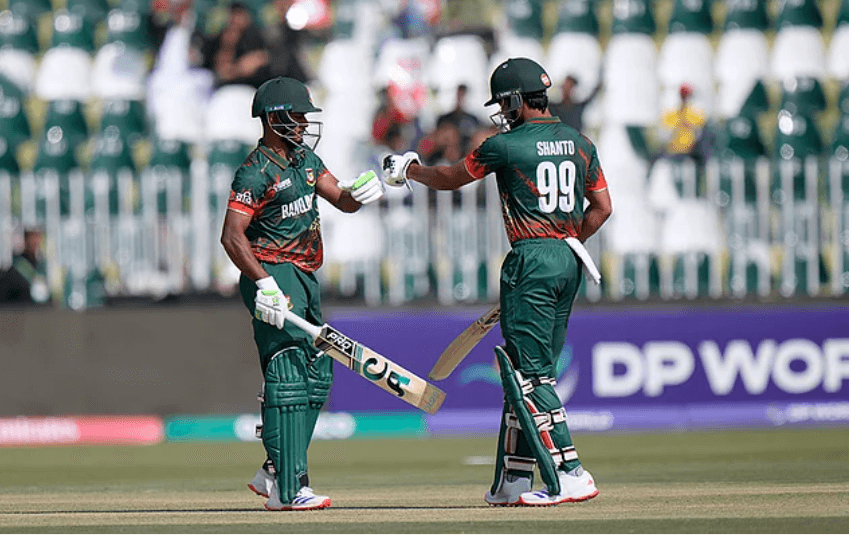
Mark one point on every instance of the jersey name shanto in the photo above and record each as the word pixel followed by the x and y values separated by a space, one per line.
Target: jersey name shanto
pixel 555 148
pixel 297 207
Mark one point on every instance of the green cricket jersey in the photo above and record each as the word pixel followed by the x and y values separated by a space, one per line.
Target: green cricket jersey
pixel 543 169
pixel 280 198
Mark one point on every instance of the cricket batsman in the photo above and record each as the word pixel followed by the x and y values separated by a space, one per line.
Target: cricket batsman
pixel 545 172
pixel 272 234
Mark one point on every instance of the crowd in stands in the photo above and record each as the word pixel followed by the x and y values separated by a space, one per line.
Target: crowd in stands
pixel 93 86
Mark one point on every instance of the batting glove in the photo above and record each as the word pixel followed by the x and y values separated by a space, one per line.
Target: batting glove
pixel 364 189
pixel 270 303
pixel 395 168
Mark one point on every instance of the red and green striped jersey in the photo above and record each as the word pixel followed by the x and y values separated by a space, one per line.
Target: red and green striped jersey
pixel 543 170
pixel 280 198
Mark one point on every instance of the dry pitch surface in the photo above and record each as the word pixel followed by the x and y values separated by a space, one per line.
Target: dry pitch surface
pixel 767 481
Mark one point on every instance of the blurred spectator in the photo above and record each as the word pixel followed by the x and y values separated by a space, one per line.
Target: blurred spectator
pixel 285 45
pixel 25 281
pixel 682 129
pixel 237 54
pixel 392 127
pixel 465 123
pixel 441 147
pixel 570 110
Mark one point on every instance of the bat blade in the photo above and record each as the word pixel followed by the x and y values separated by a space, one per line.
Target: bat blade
pixel 380 370
pixel 463 344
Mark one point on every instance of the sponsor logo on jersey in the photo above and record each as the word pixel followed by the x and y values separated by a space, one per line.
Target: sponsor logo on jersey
pixel 555 148
pixel 297 207
pixel 283 184
pixel 244 197
pixel 311 177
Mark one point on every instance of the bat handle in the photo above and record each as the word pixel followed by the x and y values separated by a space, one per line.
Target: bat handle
pixel 303 324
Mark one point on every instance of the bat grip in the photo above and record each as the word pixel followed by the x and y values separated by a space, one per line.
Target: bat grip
pixel 303 324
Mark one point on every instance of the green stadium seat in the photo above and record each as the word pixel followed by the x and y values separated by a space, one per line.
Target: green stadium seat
pixel 68 115
pixel 741 138
pixel 843 98
pixel 691 16
pixel 223 160
pixel 14 124
pixel 684 282
pixel 842 14
pixel 8 161
pixel 92 10
pixel 797 136
pixel 32 9
pixel 55 158
pixel 71 28
pixel 17 31
pixel 746 16
pixel 803 95
pixel 799 13
pixel 577 16
pixel 169 158
pixel 756 102
pixel 633 16
pixel 129 28
pixel 525 18
pixel 128 116
pixel 143 7
pixel 111 156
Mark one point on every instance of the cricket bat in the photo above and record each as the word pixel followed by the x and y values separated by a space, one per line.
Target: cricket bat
pixel 463 344
pixel 373 367
pixel 472 335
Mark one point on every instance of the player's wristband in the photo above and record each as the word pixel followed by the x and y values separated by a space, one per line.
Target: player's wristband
pixel 267 283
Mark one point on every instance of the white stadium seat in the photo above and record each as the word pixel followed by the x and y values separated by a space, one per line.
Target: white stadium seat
pixel 798 51
pixel 18 66
pixel 513 46
pixel 837 55
pixel 633 228
pixel 228 115
pixel 629 74
pixel 624 169
pixel 576 54
pixel 741 54
pixel 64 74
pixel 119 72
pixel 459 59
pixel 401 61
pixel 691 226
pixel 686 57
pixel 344 66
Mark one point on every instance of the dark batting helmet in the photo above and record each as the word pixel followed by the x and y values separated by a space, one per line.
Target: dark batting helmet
pixel 277 99
pixel 511 81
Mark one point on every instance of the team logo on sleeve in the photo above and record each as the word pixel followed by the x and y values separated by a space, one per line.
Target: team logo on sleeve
pixel 311 177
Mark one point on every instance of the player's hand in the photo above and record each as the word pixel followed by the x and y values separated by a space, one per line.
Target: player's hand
pixel 395 168
pixel 270 303
pixel 364 189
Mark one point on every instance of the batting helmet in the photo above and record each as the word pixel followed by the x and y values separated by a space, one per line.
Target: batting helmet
pixel 282 94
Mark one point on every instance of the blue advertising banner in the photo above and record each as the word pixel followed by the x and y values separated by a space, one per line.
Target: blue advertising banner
pixel 640 359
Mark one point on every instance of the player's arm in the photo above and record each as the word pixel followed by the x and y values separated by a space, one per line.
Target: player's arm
pixel 237 246
pixel 349 195
pixel 598 210
pixel 445 177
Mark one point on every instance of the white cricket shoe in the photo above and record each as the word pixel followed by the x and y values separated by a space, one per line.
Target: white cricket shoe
pixel 305 500
pixel 574 488
pixel 509 491
pixel 262 482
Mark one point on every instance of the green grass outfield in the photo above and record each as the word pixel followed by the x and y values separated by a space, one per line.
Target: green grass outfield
pixel 762 481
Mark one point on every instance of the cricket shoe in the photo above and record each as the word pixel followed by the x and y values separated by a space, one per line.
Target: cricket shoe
pixel 263 480
pixel 305 500
pixel 509 491
pixel 576 486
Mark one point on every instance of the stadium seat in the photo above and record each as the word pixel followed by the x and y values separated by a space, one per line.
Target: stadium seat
pixel 797 138
pixel 458 59
pixel 92 10
pixel 691 16
pixel 686 58
pixel 401 61
pixel 17 31
pixel 128 27
pixel 746 16
pixel 524 19
pixel 803 96
pixel 625 167
pixel 741 139
pixel 837 55
pixel 799 13
pixel 577 54
pixel 577 16
pixel 65 70
pixel 119 72
pixel 72 29
pixel 629 75
pixel 344 67
pixel 128 116
pixel 633 239
pixel 228 115
pixel 223 159
pixel 690 240
pixel 55 160
pixel 736 98
pixel 167 169
pixel 110 158
pixel 8 160
pixel 67 114
pixel 798 51
pixel 14 124
pixel 32 9
pixel 513 46
pixel 633 16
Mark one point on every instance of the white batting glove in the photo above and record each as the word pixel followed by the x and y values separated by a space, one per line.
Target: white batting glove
pixel 395 168
pixel 364 189
pixel 270 303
